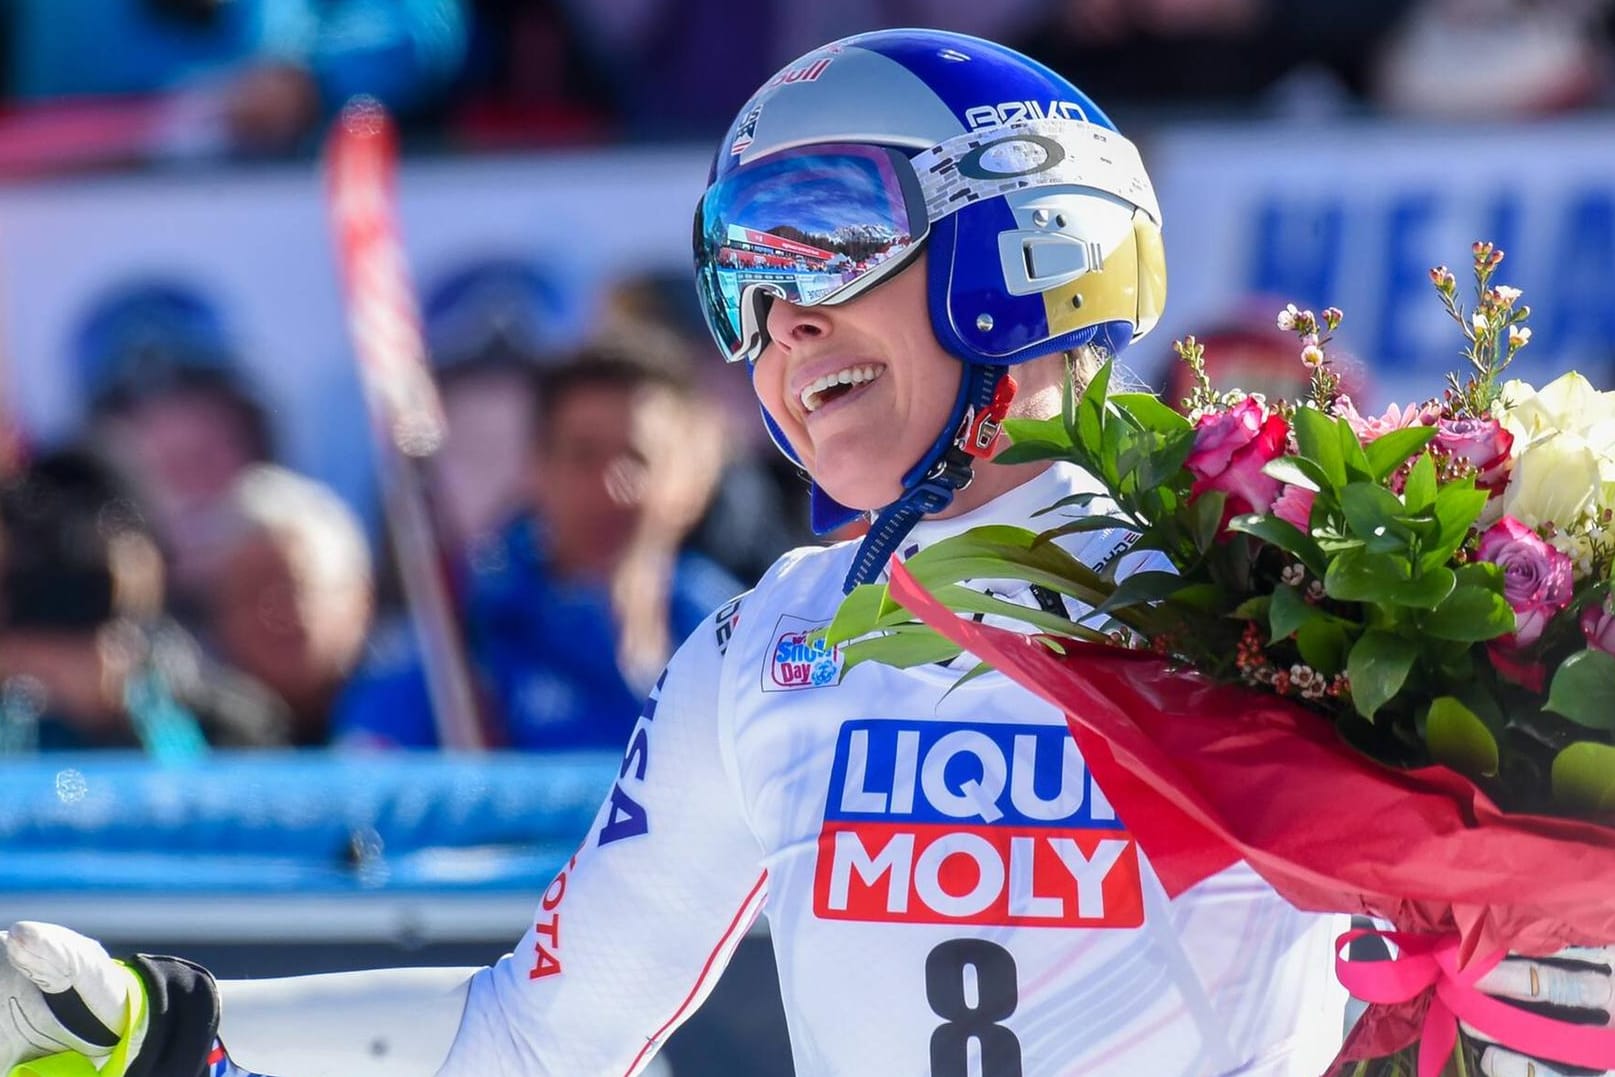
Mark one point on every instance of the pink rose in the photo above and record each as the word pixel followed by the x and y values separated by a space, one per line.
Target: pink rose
pixel 1536 577
pixel 1231 448
pixel 1598 625
pixel 1294 506
pixel 1481 442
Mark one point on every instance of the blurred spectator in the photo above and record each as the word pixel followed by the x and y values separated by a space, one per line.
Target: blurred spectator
pixel 243 75
pixel 679 67
pixel 1196 54
pixel 488 326
pixel 291 600
pixel 86 658
pixel 1497 59
pixel 573 607
pixel 479 478
pixel 159 369
pixel 760 507
pixel 534 75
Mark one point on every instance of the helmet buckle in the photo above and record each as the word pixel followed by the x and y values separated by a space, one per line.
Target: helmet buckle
pixel 984 427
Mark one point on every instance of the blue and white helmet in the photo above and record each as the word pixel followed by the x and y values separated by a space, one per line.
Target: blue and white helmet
pixel 1042 226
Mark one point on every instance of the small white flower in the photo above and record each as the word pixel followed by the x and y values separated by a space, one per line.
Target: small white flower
pixel 1519 336
pixel 1507 295
pixel 1287 317
pixel 1478 320
pixel 1312 356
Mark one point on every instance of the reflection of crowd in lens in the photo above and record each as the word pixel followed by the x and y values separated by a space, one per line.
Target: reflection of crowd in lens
pixel 168 581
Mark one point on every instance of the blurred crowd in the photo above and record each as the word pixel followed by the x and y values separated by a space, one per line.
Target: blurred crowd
pixel 120 80
pixel 168 584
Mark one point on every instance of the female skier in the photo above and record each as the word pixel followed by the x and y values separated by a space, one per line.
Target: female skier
pixel 907 236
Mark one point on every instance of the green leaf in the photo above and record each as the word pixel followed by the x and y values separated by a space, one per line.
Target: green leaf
pixel 976 670
pixel 1430 590
pixel 1149 413
pixel 1014 552
pixel 1090 416
pixel 1583 689
pixel 1351 452
pixel 1253 609
pixel 1378 666
pixel 1141 587
pixel 1164 460
pixel 1286 536
pixel 1359 576
pixel 1319 442
pixel 1460 740
pixel 1420 492
pixel 1324 644
pixel 1387 452
pixel 1296 472
pixel 1051 431
pixel 1371 510
pixel 903 646
pixel 1584 777
pixel 1289 612
pixel 1203 597
pixel 1205 518
pixel 1470 615
pixel 1457 507
pixel 1027 452
pixel 1085 524
pixel 858 613
pixel 1079 501
pixel 962 599
pixel 1365 576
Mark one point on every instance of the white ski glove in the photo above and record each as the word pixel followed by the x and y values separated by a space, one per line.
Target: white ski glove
pixel 1578 983
pixel 60 992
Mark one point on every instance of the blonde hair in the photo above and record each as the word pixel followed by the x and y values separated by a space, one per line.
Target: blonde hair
pixel 271 500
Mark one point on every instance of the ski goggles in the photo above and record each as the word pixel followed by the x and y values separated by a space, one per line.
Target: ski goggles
pixel 822 224
pixel 814 226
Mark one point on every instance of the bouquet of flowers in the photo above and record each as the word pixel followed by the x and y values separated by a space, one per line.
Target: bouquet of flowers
pixel 1405 619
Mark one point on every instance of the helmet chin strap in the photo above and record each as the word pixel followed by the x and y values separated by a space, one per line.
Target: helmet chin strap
pixel 948 469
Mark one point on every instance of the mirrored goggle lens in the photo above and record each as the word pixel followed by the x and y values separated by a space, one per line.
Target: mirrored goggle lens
pixel 813 226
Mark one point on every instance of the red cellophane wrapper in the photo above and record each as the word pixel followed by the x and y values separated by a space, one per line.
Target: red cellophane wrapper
pixel 1205 774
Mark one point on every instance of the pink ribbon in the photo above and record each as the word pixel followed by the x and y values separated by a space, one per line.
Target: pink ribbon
pixel 1429 964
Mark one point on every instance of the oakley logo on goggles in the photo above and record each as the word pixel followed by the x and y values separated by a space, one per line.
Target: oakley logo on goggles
pixel 822 224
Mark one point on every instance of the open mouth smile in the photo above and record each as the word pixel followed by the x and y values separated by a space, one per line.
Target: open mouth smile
pixel 831 387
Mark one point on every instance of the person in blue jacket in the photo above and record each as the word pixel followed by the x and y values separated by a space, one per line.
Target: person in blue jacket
pixel 573 606
pixel 262 73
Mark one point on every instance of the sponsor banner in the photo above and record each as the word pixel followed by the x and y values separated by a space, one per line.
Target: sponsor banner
pixel 1355 216
pixel 972 823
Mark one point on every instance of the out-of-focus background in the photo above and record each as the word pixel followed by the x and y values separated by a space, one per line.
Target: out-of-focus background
pixel 217 675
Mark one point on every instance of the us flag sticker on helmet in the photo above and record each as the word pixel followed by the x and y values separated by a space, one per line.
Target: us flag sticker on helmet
pixel 748 127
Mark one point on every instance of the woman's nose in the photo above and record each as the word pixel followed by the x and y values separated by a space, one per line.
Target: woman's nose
pixel 790 324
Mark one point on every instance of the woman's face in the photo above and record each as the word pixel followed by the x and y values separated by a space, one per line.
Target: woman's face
pixel 893 387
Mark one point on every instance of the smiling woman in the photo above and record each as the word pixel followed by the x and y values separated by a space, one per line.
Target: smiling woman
pixel 947 888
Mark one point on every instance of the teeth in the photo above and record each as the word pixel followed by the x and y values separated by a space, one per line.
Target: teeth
pixel 856 375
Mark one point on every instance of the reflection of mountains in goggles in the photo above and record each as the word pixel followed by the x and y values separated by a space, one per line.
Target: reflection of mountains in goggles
pixel 822 224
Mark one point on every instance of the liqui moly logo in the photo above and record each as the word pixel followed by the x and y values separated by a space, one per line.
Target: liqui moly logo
pixel 798 659
pixel 945 822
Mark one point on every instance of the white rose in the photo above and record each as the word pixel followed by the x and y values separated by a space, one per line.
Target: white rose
pixel 1555 479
